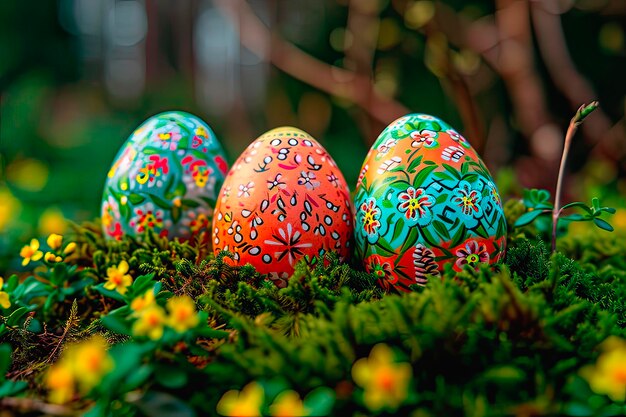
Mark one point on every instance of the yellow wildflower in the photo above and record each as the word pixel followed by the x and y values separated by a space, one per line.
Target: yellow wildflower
pixel 71 247
pixel 4 296
pixel 52 221
pixel 608 375
pixel 182 313
pixel 246 403
pixel 118 279
pixel 60 381
pixel 385 383
pixel 90 361
pixel 83 365
pixel 52 258
pixel 288 403
pixel 31 252
pixel 54 241
pixel 143 301
pixel 150 322
pixel 9 208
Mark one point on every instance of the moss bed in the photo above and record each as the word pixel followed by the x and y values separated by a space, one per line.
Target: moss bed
pixel 529 337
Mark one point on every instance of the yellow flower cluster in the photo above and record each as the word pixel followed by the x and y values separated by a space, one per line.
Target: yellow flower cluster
pixel 118 278
pixel 608 375
pixel 248 403
pixel 151 320
pixel 4 296
pixel 80 368
pixel 31 252
pixel 385 383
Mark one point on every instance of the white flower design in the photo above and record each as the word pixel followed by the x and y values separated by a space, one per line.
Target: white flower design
pixel 287 243
pixel 389 164
pixel 383 148
pixel 244 189
pixel 308 179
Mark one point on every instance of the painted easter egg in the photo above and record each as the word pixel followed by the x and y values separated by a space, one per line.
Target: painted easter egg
pixel 424 198
pixel 284 198
pixel 165 178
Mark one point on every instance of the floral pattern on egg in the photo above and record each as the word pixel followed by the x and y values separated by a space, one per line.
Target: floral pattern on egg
pixel 283 199
pixel 165 179
pixel 424 198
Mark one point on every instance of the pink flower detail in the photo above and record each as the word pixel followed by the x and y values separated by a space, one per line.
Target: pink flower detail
pixel 423 138
pixel 472 254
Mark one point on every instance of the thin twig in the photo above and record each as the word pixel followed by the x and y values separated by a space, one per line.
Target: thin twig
pixel 30 405
pixel 71 322
pixel 336 81
pixel 362 24
pixel 457 85
pixel 554 52
pixel 504 42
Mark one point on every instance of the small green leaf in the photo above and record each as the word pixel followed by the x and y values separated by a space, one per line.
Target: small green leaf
pixel 115 324
pixel 160 202
pixel 187 202
pixel 320 401
pixel 142 283
pixel 15 319
pixel 171 377
pixel 452 171
pixel 579 205
pixel 137 377
pixel 10 388
pixel 535 198
pixel 136 198
pixel 584 111
pixel 5 359
pixel 595 203
pixel 442 230
pixel 414 164
pixel 603 224
pixel 575 218
pixel 11 283
pixel 528 218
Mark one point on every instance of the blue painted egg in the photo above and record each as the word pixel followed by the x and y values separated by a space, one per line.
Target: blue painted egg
pixel 424 198
pixel 165 178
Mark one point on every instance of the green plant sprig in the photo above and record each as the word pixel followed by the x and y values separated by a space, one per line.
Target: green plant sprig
pixel 538 203
pixel 581 114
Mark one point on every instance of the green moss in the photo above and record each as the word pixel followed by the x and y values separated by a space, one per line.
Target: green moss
pixel 497 341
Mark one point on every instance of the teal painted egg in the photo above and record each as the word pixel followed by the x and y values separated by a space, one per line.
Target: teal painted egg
pixel 165 178
pixel 424 198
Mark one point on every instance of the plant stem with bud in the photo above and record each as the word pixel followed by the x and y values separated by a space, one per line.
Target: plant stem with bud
pixel 583 111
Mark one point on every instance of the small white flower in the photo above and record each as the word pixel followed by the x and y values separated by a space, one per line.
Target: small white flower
pixel 389 164
pixel 244 189
pixel 383 148
pixel 452 153
pixel 308 179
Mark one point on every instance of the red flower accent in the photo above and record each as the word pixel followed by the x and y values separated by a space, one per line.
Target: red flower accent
pixel 383 270
pixel 221 164
pixel 472 254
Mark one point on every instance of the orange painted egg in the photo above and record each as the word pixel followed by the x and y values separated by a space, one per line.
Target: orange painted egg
pixel 284 198
pixel 424 199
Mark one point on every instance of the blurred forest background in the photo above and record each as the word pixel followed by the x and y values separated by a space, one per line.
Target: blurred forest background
pixel 77 76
